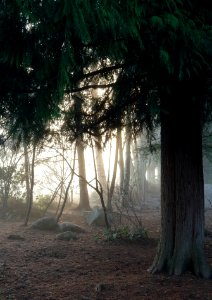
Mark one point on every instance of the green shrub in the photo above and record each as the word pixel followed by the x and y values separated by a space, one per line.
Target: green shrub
pixel 125 233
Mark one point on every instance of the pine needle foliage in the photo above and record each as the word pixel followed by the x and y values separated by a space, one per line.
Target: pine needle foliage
pixel 47 48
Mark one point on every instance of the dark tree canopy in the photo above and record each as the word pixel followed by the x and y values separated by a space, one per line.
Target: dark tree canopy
pixel 49 47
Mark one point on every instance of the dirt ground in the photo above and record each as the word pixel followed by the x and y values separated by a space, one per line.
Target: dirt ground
pixel 41 267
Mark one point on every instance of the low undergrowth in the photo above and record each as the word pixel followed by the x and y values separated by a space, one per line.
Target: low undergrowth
pixel 123 233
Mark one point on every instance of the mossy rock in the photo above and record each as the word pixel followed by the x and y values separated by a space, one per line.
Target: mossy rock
pixel 66 236
pixel 67 226
pixel 46 223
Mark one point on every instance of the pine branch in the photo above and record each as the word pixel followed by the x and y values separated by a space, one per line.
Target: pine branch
pixel 91 86
pixel 103 70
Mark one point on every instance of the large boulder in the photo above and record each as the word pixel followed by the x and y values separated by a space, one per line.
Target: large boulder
pixel 46 223
pixel 68 226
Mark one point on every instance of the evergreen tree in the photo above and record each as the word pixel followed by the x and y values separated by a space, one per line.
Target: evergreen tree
pixel 162 51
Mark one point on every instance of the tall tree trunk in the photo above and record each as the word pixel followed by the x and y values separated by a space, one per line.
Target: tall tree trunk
pixel 84 197
pixel 113 181
pixel 98 188
pixel 126 182
pixel 121 160
pixel 62 188
pixel 100 165
pixel 181 245
pixel 140 170
pixel 27 176
pixel 29 181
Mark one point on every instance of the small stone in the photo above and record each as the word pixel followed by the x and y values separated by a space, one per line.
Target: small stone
pixel 15 237
pixel 99 287
pixel 103 286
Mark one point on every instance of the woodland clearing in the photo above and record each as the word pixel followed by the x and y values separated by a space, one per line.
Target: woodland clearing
pixel 39 266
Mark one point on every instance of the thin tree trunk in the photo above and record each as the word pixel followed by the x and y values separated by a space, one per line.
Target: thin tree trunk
pixel 60 197
pixel 113 181
pixel 121 160
pixel 140 169
pixel 5 198
pixel 9 171
pixel 181 245
pixel 60 212
pixel 100 165
pixel 27 176
pixel 126 183
pixel 52 198
pixel 67 189
pixel 84 197
pixel 29 181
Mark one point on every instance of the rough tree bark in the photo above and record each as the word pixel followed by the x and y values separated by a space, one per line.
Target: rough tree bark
pixel 181 245
pixel 84 197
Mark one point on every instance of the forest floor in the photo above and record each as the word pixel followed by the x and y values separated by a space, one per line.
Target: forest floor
pixel 90 267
